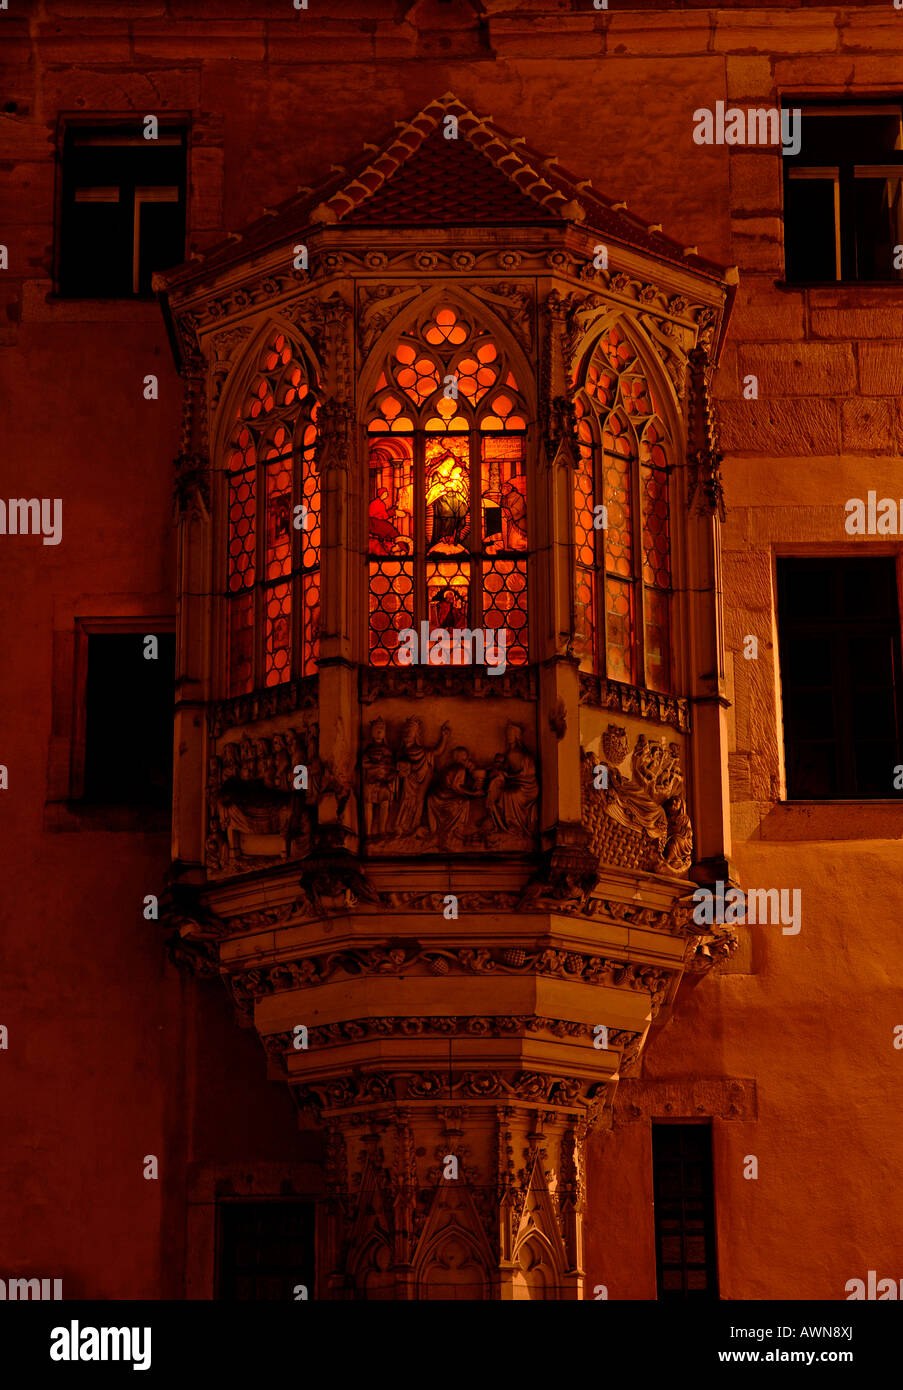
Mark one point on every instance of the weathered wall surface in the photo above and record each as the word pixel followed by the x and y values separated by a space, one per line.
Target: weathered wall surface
pixel 111 1055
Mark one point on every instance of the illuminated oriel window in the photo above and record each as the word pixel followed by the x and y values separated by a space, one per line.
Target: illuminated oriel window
pixel 273 571
pixel 623 580
pixel 448 529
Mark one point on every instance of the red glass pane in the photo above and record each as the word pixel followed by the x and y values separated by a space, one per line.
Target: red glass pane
pixel 277 627
pixel 278 476
pixel 240 620
pixel 656 542
pixel 505 605
pixel 391 607
pixel 391 507
pixel 242 540
pixel 504 493
pixel 447 488
pixel 310 622
pixel 448 595
pixel 619 630
pixel 658 640
pixel 585 614
pixel 618 501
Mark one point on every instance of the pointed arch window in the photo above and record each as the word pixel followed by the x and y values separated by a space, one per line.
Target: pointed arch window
pixel 623 541
pixel 273 548
pixel 448 516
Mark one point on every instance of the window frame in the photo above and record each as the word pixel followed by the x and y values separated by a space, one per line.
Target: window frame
pixel 597 657
pixel 866 550
pixel 844 175
pixel 712 1293
pixel 118 124
pixel 525 372
pixel 283 416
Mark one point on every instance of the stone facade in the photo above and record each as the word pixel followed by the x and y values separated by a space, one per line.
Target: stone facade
pixel 432 1036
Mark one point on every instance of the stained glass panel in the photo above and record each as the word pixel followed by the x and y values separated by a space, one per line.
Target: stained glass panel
pixel 278 603
pixel 658 640
pixel 448 594
pixel 276 428
pixel 240 616
pixel 391 505
pixel 505 604
pixel 504 493
pixel 447 494
pixel 391 608
pixel 432 495
pixel 623 465
pixel 619 629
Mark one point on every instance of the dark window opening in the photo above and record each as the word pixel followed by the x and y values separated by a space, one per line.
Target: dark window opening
pixel 123 209
pixel 683 1187
pixel 265 1251
pixel 129 719
pixel 843 193
pixel 839 642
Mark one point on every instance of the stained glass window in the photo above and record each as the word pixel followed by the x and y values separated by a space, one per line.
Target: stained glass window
pixel 623 545
pixel 448 530
pixel 273 569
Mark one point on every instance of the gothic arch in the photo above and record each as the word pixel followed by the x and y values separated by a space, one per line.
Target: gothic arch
pixel 458 297
pixel 242 372
pixel 650 364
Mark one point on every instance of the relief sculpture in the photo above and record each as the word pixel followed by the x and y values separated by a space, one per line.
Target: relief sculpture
pixel 637 815
pixel 431 795
pixel 254 810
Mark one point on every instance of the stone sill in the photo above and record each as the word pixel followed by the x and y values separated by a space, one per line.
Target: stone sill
pixel 833 820
pixel 106 817
pixel 852 290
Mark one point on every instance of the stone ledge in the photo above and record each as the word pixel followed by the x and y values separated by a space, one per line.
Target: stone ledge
pixel 730 1099
pixel 833 820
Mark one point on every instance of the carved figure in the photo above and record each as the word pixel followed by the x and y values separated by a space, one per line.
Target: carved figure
pixel 448 804
pixel 415 768
pixel 513 790
pixel 380 780
pixel 650 804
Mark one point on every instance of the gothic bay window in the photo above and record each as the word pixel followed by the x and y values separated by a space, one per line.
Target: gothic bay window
pixel 447 490
pixel 623 579
pixel 273 571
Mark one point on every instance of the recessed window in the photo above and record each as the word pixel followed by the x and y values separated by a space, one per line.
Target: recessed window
pixel 683 1187
pixel 273 533
pixel 123 209
pixel 129 700
pixel 448 506
pixel 623 578
pixel 839 639
pixel 266 1251
pixel 843 193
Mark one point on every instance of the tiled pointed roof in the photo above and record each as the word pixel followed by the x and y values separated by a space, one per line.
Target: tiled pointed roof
pixel 445 183
pixel 420 178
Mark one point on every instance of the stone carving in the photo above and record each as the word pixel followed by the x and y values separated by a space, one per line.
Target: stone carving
pixel 417 683
pixel 290 698
pixel 487 1026
pixel 429 795
pixel 251 793
pixel 639 820
pixel 378 307
pixel 631 699
pixel 512 302
pixel 515 960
